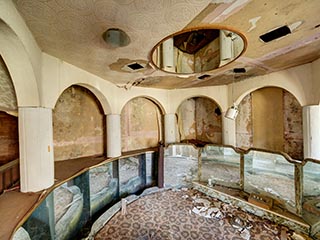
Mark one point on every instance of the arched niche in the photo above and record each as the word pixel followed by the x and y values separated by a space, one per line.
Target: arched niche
pixel 141 124
pixel 9 138
pixel 79 127
pixel 200 120
pixel 270 118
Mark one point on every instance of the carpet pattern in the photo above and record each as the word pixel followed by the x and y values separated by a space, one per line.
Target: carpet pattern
pixel 180 214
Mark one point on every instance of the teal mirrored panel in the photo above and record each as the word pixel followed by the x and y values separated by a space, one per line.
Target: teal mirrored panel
pixel 180 165
pixel 220 165
pixel 270 174
pixel 40 225
pixel 68 209
pixel 131 175
pixel 103 186
pixel 151 168
pixel 311 192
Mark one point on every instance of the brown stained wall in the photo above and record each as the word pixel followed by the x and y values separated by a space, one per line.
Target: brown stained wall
pixel 78 125
pixel 208 122
pixel 197 120
pixel 244 133
pixel 186 119
pixel 140 125
pixel 292 118
pixel 9 140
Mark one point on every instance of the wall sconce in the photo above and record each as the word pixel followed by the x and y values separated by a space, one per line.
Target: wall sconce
pixel 232 112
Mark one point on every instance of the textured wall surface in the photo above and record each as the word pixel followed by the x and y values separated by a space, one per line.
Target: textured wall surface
pixel 200 119
pixel 78 125
pixel 8 101
pixel 292 123
pixel 290 118
pixel 9 141
pixel 140 124
pixel 244 133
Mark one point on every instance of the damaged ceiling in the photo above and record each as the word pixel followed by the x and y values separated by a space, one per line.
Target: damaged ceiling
pixel 73 30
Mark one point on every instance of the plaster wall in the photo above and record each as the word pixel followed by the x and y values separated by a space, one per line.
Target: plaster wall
pixel 78 125
pixel 315 71
pixel 296 80
pixel 8 101
pixel 199 118
pixel 140 124
pixel 284 112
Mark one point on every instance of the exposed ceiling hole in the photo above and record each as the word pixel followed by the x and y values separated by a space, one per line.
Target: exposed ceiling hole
pixel 275 34
pixel 239 70
pixel 116 37
pixel 135 66
pixel 204 76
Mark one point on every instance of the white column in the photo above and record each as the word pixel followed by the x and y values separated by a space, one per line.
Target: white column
pixel 36 148
pixel 113 135
pixel 170 128
pixel 228 131
pixel 311 131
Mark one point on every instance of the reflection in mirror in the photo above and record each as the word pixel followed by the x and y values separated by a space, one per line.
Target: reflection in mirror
pixel 197 50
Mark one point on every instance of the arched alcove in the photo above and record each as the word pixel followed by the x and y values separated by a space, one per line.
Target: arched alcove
pixel 78 125
pixel 270 118
pixel 141 124
pixel 199 120
pixel 9 139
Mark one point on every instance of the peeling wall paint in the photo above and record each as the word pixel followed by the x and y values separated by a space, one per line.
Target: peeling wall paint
pixel 244 133
pixel 198 120
pixel 291 121
pixel 140 124
pixel 78 125
pixel 8 100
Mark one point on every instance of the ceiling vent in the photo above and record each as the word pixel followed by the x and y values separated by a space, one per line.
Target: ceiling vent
pixel 239 70
pixel 275 34
pixel 202 77
pixel 135 66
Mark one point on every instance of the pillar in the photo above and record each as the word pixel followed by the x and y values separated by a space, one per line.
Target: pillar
pixel 311 131
pixel 170 128
pixel 113 135
pixel 36 148
pixel 228 131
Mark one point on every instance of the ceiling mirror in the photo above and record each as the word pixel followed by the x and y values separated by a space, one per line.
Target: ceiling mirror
pixel 198 50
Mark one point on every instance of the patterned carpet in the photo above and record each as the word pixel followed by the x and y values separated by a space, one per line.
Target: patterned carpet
pixel 187 215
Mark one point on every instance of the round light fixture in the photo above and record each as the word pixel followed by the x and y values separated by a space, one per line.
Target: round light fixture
pixel 115 37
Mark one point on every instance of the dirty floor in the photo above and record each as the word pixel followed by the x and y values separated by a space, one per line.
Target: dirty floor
pixel 187 215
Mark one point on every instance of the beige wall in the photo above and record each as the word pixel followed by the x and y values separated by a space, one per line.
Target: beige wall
pixel 273 118
pixel 199 119
pixel 267 118
pixel 78 125
pixel 141 124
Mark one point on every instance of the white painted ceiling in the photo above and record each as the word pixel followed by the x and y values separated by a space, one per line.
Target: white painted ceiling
pixel 72 31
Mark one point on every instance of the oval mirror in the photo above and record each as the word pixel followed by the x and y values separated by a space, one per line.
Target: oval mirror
pixel 198 50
